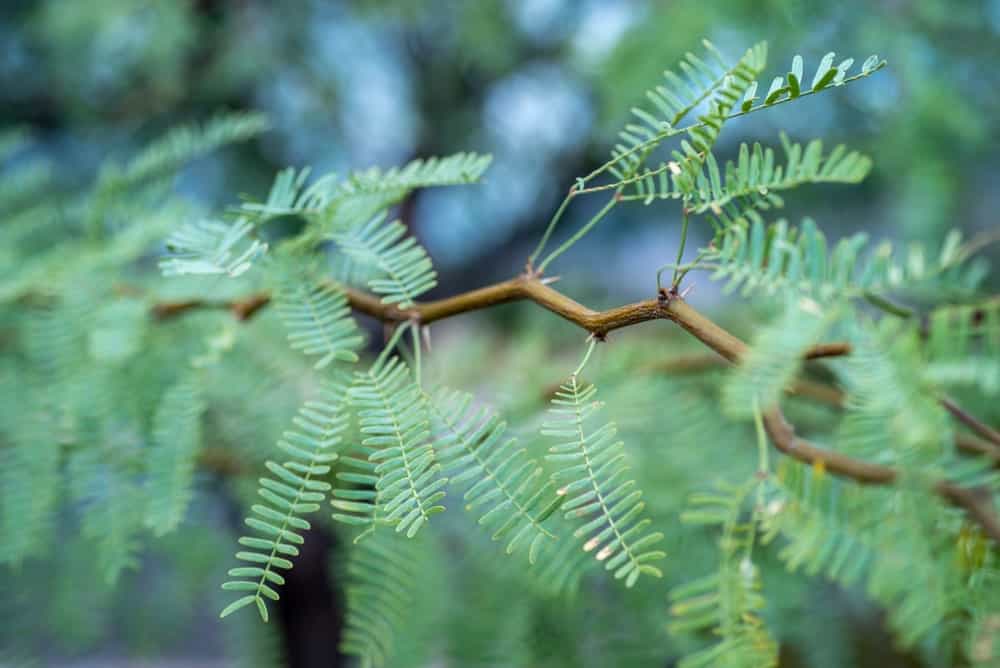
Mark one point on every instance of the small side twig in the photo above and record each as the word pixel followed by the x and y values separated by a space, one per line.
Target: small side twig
pixel 984 430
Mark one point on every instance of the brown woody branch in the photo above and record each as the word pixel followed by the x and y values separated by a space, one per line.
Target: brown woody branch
pixel 984 430
pixel 242 309
pixel 835 397
pixel 978 506
pixel 521 288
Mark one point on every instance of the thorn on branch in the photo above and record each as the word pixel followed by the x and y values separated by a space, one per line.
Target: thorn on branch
pixel 667 295
pixel 425 334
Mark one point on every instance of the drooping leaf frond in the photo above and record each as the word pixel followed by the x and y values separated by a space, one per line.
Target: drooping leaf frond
pixel 55 351
pixel 592 477
pixel 506 492
pixel 812 513
pixel 392 412
pixel 111 499
pixel 911 549
pixel 890 417
pixel 29 482
pixel 835 528
pixel 211 247
pixel 407 271
pixel 249 644
pixel 171 459
pixel 294 490
pixel 774 357
pixel 382 576
pixel 728 602
pixel 356 501
pixel 561 565
pixel 318 320
pixel 181 145
pixel 64 262
pixel 752 255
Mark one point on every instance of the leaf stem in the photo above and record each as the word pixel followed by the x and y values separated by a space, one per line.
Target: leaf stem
pixel 763 466
pixel 579 234
pixel 680 248
pixel 586 357
pixel 416 355
pixel 887 306
pixel 393 340
pixel 551 226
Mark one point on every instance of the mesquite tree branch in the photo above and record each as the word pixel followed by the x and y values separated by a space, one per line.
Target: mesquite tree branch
pixel 521 288
pixel 667 306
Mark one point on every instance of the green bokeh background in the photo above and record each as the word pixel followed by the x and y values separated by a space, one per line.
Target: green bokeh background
pixel 542 84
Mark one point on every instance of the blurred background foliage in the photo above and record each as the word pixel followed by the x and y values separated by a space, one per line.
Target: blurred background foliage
pixel 543 85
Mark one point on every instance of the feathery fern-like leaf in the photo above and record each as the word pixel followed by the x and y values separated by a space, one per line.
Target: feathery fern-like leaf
pixel 836 528
pixel 355 500
pixel 471 446
pixel 171 459
pixel 369 190
pixel 111 500
pixel 963 346
pixel 318 320
pixel 775 357
pixel 724 88
pixel 29 483
pixel 700 80
pixel 811 512
pixel 406 268
pixel 249 645
pixel 752 180
pixel 382 573
pixel 456 169
pixel 211 247
pixel 789 87
pixel 294 490
pixel 728 601
pixel 392 412
pixel 751 255
pixel 182 145
pixel 561 566
pixel 289 195
pixel 891 417
pixel 592 478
